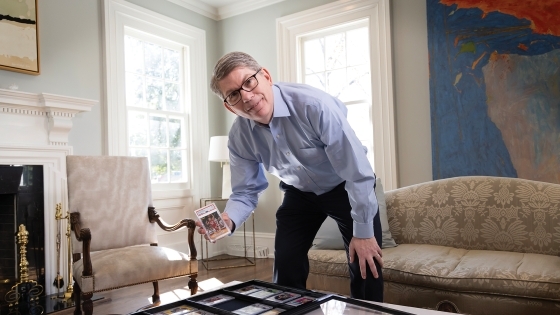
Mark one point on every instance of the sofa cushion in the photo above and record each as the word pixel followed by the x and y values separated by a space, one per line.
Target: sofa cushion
pixel 498 272
pixel 459 270
pixel 328 262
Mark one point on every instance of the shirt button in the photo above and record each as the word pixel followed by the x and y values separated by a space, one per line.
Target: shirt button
pixel 287 153
pixel 299 167
pixel 277 136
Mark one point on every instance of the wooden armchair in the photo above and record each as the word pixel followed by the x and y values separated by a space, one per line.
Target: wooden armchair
pixel 113 221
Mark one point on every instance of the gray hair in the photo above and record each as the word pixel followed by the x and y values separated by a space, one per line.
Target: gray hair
pixel 227 64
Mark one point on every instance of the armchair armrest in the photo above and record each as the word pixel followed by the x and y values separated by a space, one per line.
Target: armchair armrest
pixel 84 236
pixel 188 223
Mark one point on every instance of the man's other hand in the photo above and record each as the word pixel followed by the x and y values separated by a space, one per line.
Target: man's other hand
pixel 367 250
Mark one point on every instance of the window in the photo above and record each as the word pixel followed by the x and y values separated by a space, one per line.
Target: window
pixel 155 72
pixel 343 48
pixel 336 61
pixel 155 101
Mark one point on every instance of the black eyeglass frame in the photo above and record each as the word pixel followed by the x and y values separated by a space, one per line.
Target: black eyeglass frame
pixel 241 88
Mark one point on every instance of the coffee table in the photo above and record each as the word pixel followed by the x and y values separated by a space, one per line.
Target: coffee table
pixel 237 296
pixel 413 310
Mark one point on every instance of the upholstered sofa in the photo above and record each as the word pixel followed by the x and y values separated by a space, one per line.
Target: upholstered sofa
pixel 473 245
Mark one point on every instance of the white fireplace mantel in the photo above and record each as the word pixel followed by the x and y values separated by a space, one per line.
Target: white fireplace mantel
pixel 34 130
pixel 38 118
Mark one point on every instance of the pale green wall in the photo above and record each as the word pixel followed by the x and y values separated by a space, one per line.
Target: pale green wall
pixel 70 61
pixel 72 55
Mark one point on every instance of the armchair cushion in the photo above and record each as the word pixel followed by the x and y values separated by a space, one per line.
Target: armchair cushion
pixel 116 268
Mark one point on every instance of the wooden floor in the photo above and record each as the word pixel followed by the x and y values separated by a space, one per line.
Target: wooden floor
pixel 128 300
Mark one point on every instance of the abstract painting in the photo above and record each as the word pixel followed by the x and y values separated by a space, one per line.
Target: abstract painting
pixel 495 88
pixel 19 37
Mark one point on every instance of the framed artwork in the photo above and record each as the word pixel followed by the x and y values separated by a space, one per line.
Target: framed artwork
pixel 19 36
pixel 494 88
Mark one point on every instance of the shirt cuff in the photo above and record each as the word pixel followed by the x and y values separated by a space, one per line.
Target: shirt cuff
pixel 363 230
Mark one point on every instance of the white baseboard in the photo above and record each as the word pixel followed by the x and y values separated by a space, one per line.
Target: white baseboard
pixel 220 247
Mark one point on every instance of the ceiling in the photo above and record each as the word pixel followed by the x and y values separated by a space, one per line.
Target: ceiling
pixel 221 9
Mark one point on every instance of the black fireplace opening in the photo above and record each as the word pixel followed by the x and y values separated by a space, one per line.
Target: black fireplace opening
pixel 21 202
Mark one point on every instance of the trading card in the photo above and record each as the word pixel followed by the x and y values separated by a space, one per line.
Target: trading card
pixel 283 297
pixel 265 293
pixel 216 299
pixel 273 311
pixel 248 289
pixel 301 300
pixel 181 309
pixel 253 309
pixel 212 221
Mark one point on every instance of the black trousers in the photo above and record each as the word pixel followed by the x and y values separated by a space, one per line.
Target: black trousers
pixel 297 221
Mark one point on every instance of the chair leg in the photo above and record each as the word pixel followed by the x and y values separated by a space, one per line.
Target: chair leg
pixel 77 293
pixel 88 303
pixel 193 285
pixel 155 297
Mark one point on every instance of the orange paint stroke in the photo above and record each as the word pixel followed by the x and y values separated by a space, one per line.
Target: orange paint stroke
pixel 477 60
pixel 522 47
pixel 543 14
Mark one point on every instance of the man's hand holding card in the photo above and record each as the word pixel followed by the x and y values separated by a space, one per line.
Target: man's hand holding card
pixel 211 224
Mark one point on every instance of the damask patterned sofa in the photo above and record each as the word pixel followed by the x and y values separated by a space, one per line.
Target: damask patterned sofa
pixel 473 245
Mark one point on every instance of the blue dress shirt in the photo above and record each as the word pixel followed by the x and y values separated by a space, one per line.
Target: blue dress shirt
pixel 308 144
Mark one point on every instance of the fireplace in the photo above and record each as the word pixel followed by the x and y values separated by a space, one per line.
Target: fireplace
pixel 21 202
pixel 34 130
pixel 9 184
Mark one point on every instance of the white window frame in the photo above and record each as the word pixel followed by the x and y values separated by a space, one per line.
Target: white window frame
pixel 120 14
pixel 290 28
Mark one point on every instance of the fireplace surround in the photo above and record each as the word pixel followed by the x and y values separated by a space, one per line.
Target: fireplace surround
pixel 34 130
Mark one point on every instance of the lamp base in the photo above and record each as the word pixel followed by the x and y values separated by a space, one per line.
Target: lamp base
pixel 226 181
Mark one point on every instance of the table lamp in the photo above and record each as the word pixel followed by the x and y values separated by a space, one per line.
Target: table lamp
pixel 219 152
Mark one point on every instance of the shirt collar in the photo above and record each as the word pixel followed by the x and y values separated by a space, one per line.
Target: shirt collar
pixel 280 107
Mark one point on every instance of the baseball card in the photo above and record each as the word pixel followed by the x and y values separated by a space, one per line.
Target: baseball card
pixel 212 221
pixel 301 300
pixel 248 289
pixel 179 310
pixel 273 311
pixel 265 293
pixel 216 299
pixel 283 297
pixel 253 309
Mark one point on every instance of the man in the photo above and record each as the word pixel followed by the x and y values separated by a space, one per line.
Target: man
pixel 299 134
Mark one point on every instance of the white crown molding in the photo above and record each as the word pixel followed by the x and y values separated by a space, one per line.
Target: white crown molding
pixel 241 7
pixel 198 7
pixel 226 11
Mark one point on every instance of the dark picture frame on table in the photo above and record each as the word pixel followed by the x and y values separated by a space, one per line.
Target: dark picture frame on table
pixel 19 43
pixel 238 300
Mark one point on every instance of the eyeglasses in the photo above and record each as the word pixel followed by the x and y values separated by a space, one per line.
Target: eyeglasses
pixel 247 86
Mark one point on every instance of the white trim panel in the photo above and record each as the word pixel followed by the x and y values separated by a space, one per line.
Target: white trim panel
pixel 290 28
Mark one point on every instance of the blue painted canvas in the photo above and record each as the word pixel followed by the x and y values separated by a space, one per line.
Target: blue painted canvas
pixel 495 88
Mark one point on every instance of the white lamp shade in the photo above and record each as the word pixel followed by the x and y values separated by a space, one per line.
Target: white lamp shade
pixel 219 151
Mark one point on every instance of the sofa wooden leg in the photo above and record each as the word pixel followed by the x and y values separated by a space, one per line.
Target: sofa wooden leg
pixel 193 285
pixel 447 306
